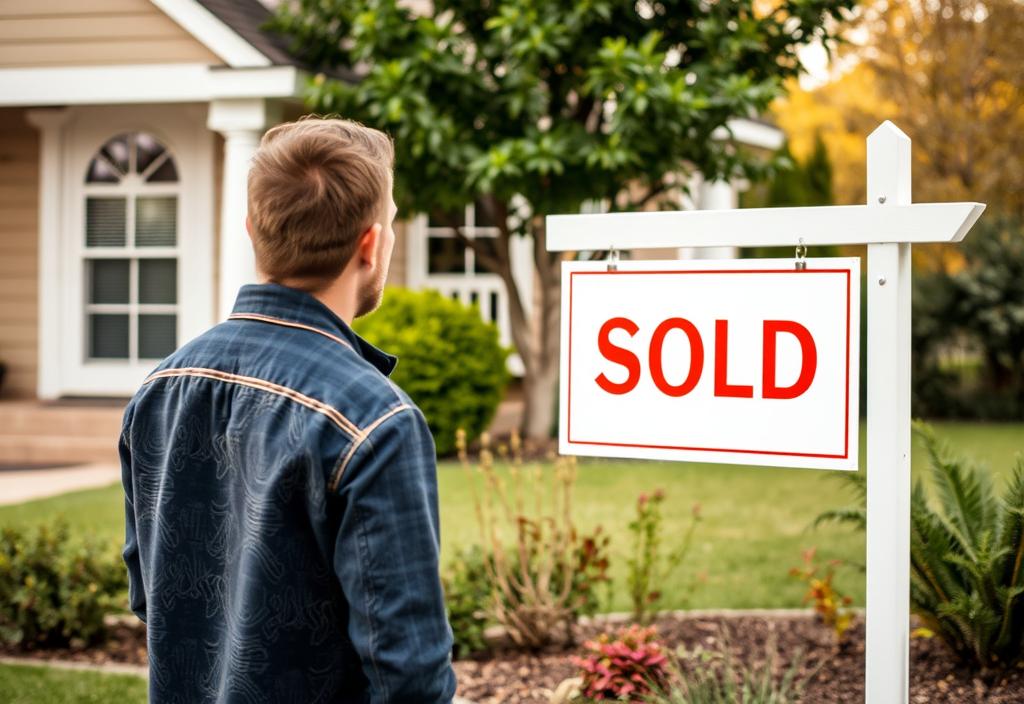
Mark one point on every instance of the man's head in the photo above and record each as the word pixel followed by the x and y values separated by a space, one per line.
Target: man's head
pixel 320 207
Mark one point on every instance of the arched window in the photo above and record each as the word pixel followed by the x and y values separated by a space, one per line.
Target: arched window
pixel 130 250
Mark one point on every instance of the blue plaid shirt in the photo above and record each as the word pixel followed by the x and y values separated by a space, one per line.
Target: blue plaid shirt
pixel 281 515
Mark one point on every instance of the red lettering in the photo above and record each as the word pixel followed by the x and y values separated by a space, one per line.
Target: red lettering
pixel 618 355
pixel 696 356
pixel 722 385
pixel 809 364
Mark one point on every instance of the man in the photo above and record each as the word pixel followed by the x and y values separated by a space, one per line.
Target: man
pixel 280 491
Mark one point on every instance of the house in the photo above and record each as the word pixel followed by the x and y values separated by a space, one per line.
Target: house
pixel 126 129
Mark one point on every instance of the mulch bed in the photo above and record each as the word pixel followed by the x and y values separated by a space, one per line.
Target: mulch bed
pixel 833 674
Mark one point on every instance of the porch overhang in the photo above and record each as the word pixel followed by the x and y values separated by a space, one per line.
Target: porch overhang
pixel 146 83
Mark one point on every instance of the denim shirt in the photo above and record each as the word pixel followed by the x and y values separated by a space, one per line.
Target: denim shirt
pixel 281 513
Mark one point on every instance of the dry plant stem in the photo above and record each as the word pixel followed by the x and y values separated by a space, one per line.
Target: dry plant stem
pixel 526 598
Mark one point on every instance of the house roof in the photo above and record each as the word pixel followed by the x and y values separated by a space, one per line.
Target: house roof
pixel 248 18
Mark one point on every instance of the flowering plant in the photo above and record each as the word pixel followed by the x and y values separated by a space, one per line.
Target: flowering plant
pixel 628 667
pixel 832 607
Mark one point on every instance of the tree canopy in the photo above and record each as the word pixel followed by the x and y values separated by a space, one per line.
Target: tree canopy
pixel 531 107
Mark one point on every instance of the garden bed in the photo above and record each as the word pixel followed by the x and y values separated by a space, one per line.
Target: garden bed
pixel 836 674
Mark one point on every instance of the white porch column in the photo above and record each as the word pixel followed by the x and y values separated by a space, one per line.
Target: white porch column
pixel 242 123
pixel 713 195
pixel 50 123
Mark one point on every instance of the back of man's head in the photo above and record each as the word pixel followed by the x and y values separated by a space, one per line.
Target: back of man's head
pixel 314 187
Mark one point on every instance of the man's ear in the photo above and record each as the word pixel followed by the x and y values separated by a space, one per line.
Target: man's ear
pixel 248 226
pixel 367 251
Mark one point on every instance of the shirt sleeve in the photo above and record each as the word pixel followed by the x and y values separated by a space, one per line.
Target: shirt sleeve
pixel 136 592
pixel 386 558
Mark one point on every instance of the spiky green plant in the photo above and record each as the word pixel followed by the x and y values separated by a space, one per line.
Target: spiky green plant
pixel 966 556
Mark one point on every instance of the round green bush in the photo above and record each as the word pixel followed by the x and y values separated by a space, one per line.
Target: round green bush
pixel 450 361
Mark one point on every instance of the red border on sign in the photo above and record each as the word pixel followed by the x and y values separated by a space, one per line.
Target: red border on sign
pixel 846 430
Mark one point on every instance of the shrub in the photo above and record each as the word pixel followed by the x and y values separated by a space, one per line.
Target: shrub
pixel 452 364
pixel 831 606
pixel 966 558
pixel 467 591
pixel 543 574
pixel 55 591
pixel 968 328
pixel 624 668
pixel 648 567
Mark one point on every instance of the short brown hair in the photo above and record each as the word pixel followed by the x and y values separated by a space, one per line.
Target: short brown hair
pixel 315 185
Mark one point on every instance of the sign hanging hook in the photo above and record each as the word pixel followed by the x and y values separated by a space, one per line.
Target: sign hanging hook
pixel 801 255
pixel 613 259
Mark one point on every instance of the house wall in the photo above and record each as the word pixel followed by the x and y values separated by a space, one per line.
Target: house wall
pixel 93 32
pixel 19 207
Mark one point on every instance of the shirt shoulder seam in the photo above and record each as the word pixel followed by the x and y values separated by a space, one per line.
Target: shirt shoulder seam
pixel 359 440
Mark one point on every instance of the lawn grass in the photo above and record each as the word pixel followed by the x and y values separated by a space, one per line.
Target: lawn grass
pixel 28 684
pixel 754 528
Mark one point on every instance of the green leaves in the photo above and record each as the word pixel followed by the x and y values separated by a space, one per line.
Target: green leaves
pixel 966 557
pixel 628 93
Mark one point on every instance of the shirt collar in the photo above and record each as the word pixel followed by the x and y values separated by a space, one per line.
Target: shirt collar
pixel 295 306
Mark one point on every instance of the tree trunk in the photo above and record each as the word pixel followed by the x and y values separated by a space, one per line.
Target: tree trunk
pixel 541 380
pixel 539 389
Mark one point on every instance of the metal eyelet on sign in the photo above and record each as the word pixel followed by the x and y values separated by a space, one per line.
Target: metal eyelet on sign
pixel 801 256
pixel 613 259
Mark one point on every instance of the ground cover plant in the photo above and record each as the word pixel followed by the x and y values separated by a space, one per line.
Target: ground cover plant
pixel 629 665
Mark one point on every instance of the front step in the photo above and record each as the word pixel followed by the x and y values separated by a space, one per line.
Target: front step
pixel 34 433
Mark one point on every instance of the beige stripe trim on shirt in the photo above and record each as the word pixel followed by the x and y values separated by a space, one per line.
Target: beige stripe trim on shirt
pixel 288 324
pixel 319 406
pixel 365 433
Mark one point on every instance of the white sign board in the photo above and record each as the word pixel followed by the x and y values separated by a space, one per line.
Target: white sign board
pixel 730 361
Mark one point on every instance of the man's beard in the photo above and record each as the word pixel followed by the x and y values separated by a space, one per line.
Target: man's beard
pixel 370 298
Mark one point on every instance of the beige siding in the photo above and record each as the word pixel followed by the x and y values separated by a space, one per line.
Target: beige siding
pixel 93 32
pixel 19 308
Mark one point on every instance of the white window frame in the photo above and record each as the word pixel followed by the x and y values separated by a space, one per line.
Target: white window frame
pixel 65 369
pixel 464 286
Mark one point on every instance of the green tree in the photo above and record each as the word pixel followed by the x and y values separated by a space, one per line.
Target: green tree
pixel 532 107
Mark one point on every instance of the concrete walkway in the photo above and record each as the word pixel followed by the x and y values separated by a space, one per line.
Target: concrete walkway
pixel 20 485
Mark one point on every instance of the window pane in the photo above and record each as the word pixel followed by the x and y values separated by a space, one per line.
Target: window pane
pixel 157 335
pixel 156 221
pixel 445 255
pixel 158 281
pixel 108 280
pixel 489 245
pixel 147 150
pixel 105 222
pixel 108 336
pixel 116 152
pixel 165 173
pixel 101 172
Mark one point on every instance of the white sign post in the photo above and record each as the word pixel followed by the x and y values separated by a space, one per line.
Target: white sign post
pixel 634 411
